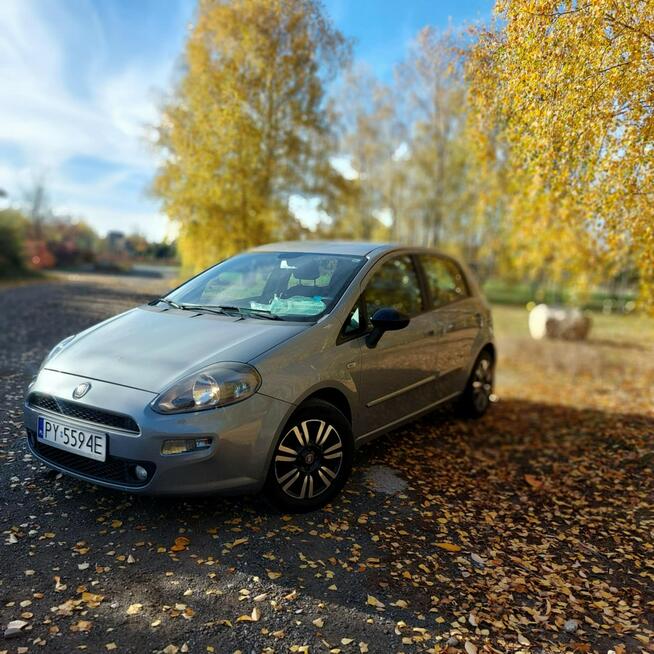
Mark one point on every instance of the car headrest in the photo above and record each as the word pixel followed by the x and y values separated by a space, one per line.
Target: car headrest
pixel 307 270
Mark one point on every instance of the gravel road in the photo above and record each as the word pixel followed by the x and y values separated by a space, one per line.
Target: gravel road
pixel 501 534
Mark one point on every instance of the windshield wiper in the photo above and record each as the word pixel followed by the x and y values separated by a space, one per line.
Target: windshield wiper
pixel 262 313
pixel 219 310
pixel 165 300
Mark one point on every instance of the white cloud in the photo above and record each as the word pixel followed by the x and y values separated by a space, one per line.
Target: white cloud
pixel 63 96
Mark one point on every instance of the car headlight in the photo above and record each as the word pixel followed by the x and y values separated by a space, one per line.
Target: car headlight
pixel 217 385
pixel 56 350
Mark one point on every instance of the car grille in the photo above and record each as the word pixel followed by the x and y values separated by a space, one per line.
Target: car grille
pixel 114 469
pixel 82 412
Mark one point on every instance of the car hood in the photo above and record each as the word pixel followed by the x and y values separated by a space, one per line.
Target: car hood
pixel 148 348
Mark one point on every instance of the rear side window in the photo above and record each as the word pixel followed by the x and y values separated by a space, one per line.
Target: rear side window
pixel 395 284
pixel 445 280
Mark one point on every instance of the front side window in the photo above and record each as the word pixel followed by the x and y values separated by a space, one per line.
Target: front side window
pixel 395 285
pixel 444 279
pixel 288 285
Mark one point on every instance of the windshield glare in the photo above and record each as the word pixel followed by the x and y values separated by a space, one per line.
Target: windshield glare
pixel 288 285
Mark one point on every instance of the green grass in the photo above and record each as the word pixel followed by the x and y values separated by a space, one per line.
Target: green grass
pixel 511 321
pixel 501 292
pixel 23 277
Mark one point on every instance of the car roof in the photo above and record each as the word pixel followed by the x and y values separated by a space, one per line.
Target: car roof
pixel 354 248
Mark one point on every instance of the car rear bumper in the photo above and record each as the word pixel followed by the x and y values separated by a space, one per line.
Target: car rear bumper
pixel 237 460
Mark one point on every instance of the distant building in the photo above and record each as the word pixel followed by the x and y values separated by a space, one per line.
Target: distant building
pixel 116 242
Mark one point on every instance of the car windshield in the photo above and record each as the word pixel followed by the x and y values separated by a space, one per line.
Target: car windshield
pixel 283 285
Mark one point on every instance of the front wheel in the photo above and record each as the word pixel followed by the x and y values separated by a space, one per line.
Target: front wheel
pixel 476 397
pixel 312 459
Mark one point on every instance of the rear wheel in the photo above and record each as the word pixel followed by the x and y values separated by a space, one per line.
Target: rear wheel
pixel 477 395
pixel 312 459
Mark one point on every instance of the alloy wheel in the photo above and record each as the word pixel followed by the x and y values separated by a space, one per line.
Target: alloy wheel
pixel 308 459
pixel 482 384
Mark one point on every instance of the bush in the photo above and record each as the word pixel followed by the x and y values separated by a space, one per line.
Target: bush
pixel 12 262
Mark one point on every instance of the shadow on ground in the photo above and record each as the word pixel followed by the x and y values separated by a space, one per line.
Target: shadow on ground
pixel 532 525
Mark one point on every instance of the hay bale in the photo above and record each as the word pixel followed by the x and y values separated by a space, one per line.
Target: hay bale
pixel 557 322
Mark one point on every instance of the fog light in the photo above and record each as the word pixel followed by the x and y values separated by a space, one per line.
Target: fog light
pixel 202 443
pixel 182 446
pixel 141 473
pixel 177 446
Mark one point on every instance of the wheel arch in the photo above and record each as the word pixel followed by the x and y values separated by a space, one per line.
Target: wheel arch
pixel 333 396
pixel 490 348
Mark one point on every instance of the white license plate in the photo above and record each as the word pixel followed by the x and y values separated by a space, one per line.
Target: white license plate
pixel 72 439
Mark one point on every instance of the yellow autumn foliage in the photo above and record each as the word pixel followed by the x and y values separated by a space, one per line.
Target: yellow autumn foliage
pixel 562 112
pixel 246 127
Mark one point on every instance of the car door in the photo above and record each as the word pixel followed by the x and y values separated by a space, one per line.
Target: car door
pixel 455 320
pixel 395 378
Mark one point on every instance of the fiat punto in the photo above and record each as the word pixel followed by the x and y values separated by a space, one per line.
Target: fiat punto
pixel 265 371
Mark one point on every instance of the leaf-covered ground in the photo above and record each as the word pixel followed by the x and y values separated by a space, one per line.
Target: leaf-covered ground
pixel 527 531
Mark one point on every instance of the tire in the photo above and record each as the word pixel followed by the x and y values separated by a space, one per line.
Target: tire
pixel 476 398
pixel 312 459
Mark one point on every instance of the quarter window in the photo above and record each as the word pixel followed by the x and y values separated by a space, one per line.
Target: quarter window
pixel 395 284
pixel 353 323
pixel 444 279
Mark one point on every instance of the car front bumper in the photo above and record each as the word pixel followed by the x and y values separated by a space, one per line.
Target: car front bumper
pixel 237 461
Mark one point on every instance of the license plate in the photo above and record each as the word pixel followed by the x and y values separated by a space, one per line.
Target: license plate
pixel 72 439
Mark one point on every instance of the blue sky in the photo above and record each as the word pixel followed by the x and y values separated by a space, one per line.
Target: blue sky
pixel 81 82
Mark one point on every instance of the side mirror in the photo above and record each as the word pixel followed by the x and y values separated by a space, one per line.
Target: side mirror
pixel 385 320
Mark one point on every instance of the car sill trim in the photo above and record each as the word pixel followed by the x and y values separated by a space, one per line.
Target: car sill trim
pixel 401 391
pixel 407 417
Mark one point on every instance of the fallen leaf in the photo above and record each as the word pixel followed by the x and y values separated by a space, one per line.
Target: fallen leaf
pixel 450 547
pixel 373 601
pixel 253 617
pixel 534 482
pixel 238 541
pixel 133 609
pixel 92 598
pixel 181 543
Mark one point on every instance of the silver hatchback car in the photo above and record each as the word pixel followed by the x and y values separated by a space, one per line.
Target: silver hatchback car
pixel 265 371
